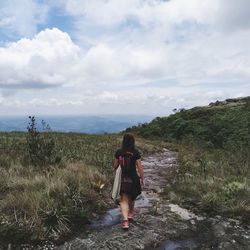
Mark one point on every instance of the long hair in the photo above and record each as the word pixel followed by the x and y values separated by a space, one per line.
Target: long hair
pixel 128 142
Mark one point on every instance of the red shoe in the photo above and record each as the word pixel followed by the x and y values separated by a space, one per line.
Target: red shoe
pixel 125 224
pixel 131 214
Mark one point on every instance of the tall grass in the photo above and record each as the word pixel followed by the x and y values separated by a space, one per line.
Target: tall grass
pixel 49 203
pixel 212 180
pixel 46 203
pixel 46 206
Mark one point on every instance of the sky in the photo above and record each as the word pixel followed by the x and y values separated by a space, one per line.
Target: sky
pixel 121 56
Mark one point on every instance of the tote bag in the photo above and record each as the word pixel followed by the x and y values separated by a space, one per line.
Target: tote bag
pixel 117 185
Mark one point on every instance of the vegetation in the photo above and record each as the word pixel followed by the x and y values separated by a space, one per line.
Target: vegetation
pixel 41 146
pixel 46 199
pixel 214 155
pixel 50 183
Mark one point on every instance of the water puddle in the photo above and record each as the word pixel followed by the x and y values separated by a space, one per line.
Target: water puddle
pixel 111 217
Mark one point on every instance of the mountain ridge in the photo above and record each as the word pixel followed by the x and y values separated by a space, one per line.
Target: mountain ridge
pixel 219 123
pixel 83 124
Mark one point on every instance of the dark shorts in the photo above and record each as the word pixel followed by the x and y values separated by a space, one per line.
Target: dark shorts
pixel 130 185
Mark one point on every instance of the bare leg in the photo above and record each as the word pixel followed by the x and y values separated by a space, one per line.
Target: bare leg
pixel 131 204
pixel 124 206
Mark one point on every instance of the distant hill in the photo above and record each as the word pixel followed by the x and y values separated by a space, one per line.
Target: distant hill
pixel 84 124
pixel 220 123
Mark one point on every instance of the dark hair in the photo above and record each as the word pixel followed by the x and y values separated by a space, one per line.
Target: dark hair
pixel 128 142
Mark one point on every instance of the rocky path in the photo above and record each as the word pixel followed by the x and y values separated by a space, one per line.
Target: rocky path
pixel 159 224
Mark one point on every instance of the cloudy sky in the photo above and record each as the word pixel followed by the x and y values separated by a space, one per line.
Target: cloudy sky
pixel 121 56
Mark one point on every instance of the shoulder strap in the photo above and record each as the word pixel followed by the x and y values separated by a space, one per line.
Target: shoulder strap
pixel 128 152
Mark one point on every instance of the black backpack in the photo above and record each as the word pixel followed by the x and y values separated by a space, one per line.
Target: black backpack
pixel 126 162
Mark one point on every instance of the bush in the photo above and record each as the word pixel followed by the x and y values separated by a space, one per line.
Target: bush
pixel 41 146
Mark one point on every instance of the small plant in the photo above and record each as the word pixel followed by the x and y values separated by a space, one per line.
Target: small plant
pixel 233 189
pixel 41 146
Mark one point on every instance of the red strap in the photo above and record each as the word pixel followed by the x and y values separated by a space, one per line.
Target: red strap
pixel 122 157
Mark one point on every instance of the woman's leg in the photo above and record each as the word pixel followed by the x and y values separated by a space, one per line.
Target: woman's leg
pixel 124 206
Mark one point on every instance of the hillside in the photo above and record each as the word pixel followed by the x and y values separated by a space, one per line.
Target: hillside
pixel 219 124
pixel 92 124
pixel 213 143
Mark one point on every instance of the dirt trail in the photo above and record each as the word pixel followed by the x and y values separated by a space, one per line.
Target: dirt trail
pixel 159 224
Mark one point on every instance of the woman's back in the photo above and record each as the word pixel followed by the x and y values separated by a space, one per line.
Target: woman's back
pixel 127 160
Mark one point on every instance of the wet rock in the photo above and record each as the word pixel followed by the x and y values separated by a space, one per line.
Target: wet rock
pixel 219 230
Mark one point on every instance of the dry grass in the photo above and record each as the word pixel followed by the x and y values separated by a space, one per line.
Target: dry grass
pixel 50 203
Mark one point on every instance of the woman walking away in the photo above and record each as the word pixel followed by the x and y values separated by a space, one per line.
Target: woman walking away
pixel 129 158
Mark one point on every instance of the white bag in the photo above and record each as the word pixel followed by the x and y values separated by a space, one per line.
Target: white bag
pixel 117 185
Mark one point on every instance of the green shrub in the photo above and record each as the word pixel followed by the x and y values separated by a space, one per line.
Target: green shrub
pixel 41 146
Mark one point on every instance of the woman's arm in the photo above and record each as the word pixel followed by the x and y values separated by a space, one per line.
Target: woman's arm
pixel 116 163
pixel 140 170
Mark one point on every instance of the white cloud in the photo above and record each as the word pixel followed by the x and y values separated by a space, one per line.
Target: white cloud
pixel 51 58
pixel 40 62
pixel 219 13
pixel 118 65
pixel 22 17
pixel 140 101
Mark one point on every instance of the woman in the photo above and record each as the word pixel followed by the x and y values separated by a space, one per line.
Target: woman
pixel 131 184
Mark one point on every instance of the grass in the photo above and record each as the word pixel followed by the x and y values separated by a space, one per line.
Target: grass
pixel 46 205
pixel 213 181
pixel 52 202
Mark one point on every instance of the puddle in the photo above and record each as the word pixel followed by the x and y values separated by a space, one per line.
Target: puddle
pixel 111 217
pixel 174 245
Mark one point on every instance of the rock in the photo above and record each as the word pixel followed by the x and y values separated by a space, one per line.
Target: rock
pixel 219 230
pixel 192 222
